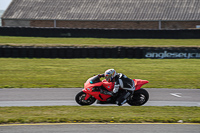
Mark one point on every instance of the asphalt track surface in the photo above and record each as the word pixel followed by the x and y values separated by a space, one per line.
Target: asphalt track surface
pixel 65 96
pixel 101 128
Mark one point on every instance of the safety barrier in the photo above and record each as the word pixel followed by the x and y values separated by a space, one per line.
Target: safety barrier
pixel 100 33
pixel 99 52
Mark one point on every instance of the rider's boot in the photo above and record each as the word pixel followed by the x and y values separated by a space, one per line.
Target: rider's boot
pixel 123 98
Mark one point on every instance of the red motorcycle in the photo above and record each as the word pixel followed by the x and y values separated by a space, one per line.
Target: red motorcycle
pixel 95 89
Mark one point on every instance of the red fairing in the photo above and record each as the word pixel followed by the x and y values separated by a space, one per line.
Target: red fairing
pixel 139 83
pixel 90 88
pixel 108 85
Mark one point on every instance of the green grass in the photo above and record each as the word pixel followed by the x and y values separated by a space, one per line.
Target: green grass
pixel 112 114
pixel 39 41
pixel 46 73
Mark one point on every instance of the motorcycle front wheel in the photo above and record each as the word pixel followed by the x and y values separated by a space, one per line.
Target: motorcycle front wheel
pixel 140 97
pixel 80 99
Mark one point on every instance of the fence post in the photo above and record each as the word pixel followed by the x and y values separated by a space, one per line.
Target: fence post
pixel 55 24
pixel 160 24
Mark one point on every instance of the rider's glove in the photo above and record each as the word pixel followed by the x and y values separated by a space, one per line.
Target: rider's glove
pixel 101 75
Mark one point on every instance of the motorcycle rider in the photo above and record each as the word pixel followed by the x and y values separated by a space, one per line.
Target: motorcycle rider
pixel 120 81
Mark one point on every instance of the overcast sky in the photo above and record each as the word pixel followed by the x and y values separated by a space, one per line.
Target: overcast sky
pixel 4 4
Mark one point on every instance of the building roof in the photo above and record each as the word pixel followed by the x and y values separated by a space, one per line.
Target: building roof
pixel 103 10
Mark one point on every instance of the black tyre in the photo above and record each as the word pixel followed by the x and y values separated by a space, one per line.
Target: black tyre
pixel 80 99
pixel 140 97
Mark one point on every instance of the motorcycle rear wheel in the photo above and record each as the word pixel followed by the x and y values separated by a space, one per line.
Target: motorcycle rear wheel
pixel 80 99
pixel 140 97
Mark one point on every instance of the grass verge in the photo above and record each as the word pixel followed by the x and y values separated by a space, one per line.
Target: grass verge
pixel 100 42
pixel 67 73
pixel 110 114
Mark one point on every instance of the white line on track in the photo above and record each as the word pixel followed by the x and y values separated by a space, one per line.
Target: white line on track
pixel 176 94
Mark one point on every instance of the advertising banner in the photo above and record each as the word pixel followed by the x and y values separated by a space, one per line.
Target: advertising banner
pixel 173 54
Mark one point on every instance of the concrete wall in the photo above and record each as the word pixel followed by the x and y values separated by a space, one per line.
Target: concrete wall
pixel 108 24
pixel 23 23
pixel 180 24
pixel 42 23
pixel 105 24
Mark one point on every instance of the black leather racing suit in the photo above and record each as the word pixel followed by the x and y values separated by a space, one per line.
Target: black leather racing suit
pixel 122 81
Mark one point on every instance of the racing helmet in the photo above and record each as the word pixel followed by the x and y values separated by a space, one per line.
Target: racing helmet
pixel 110 75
